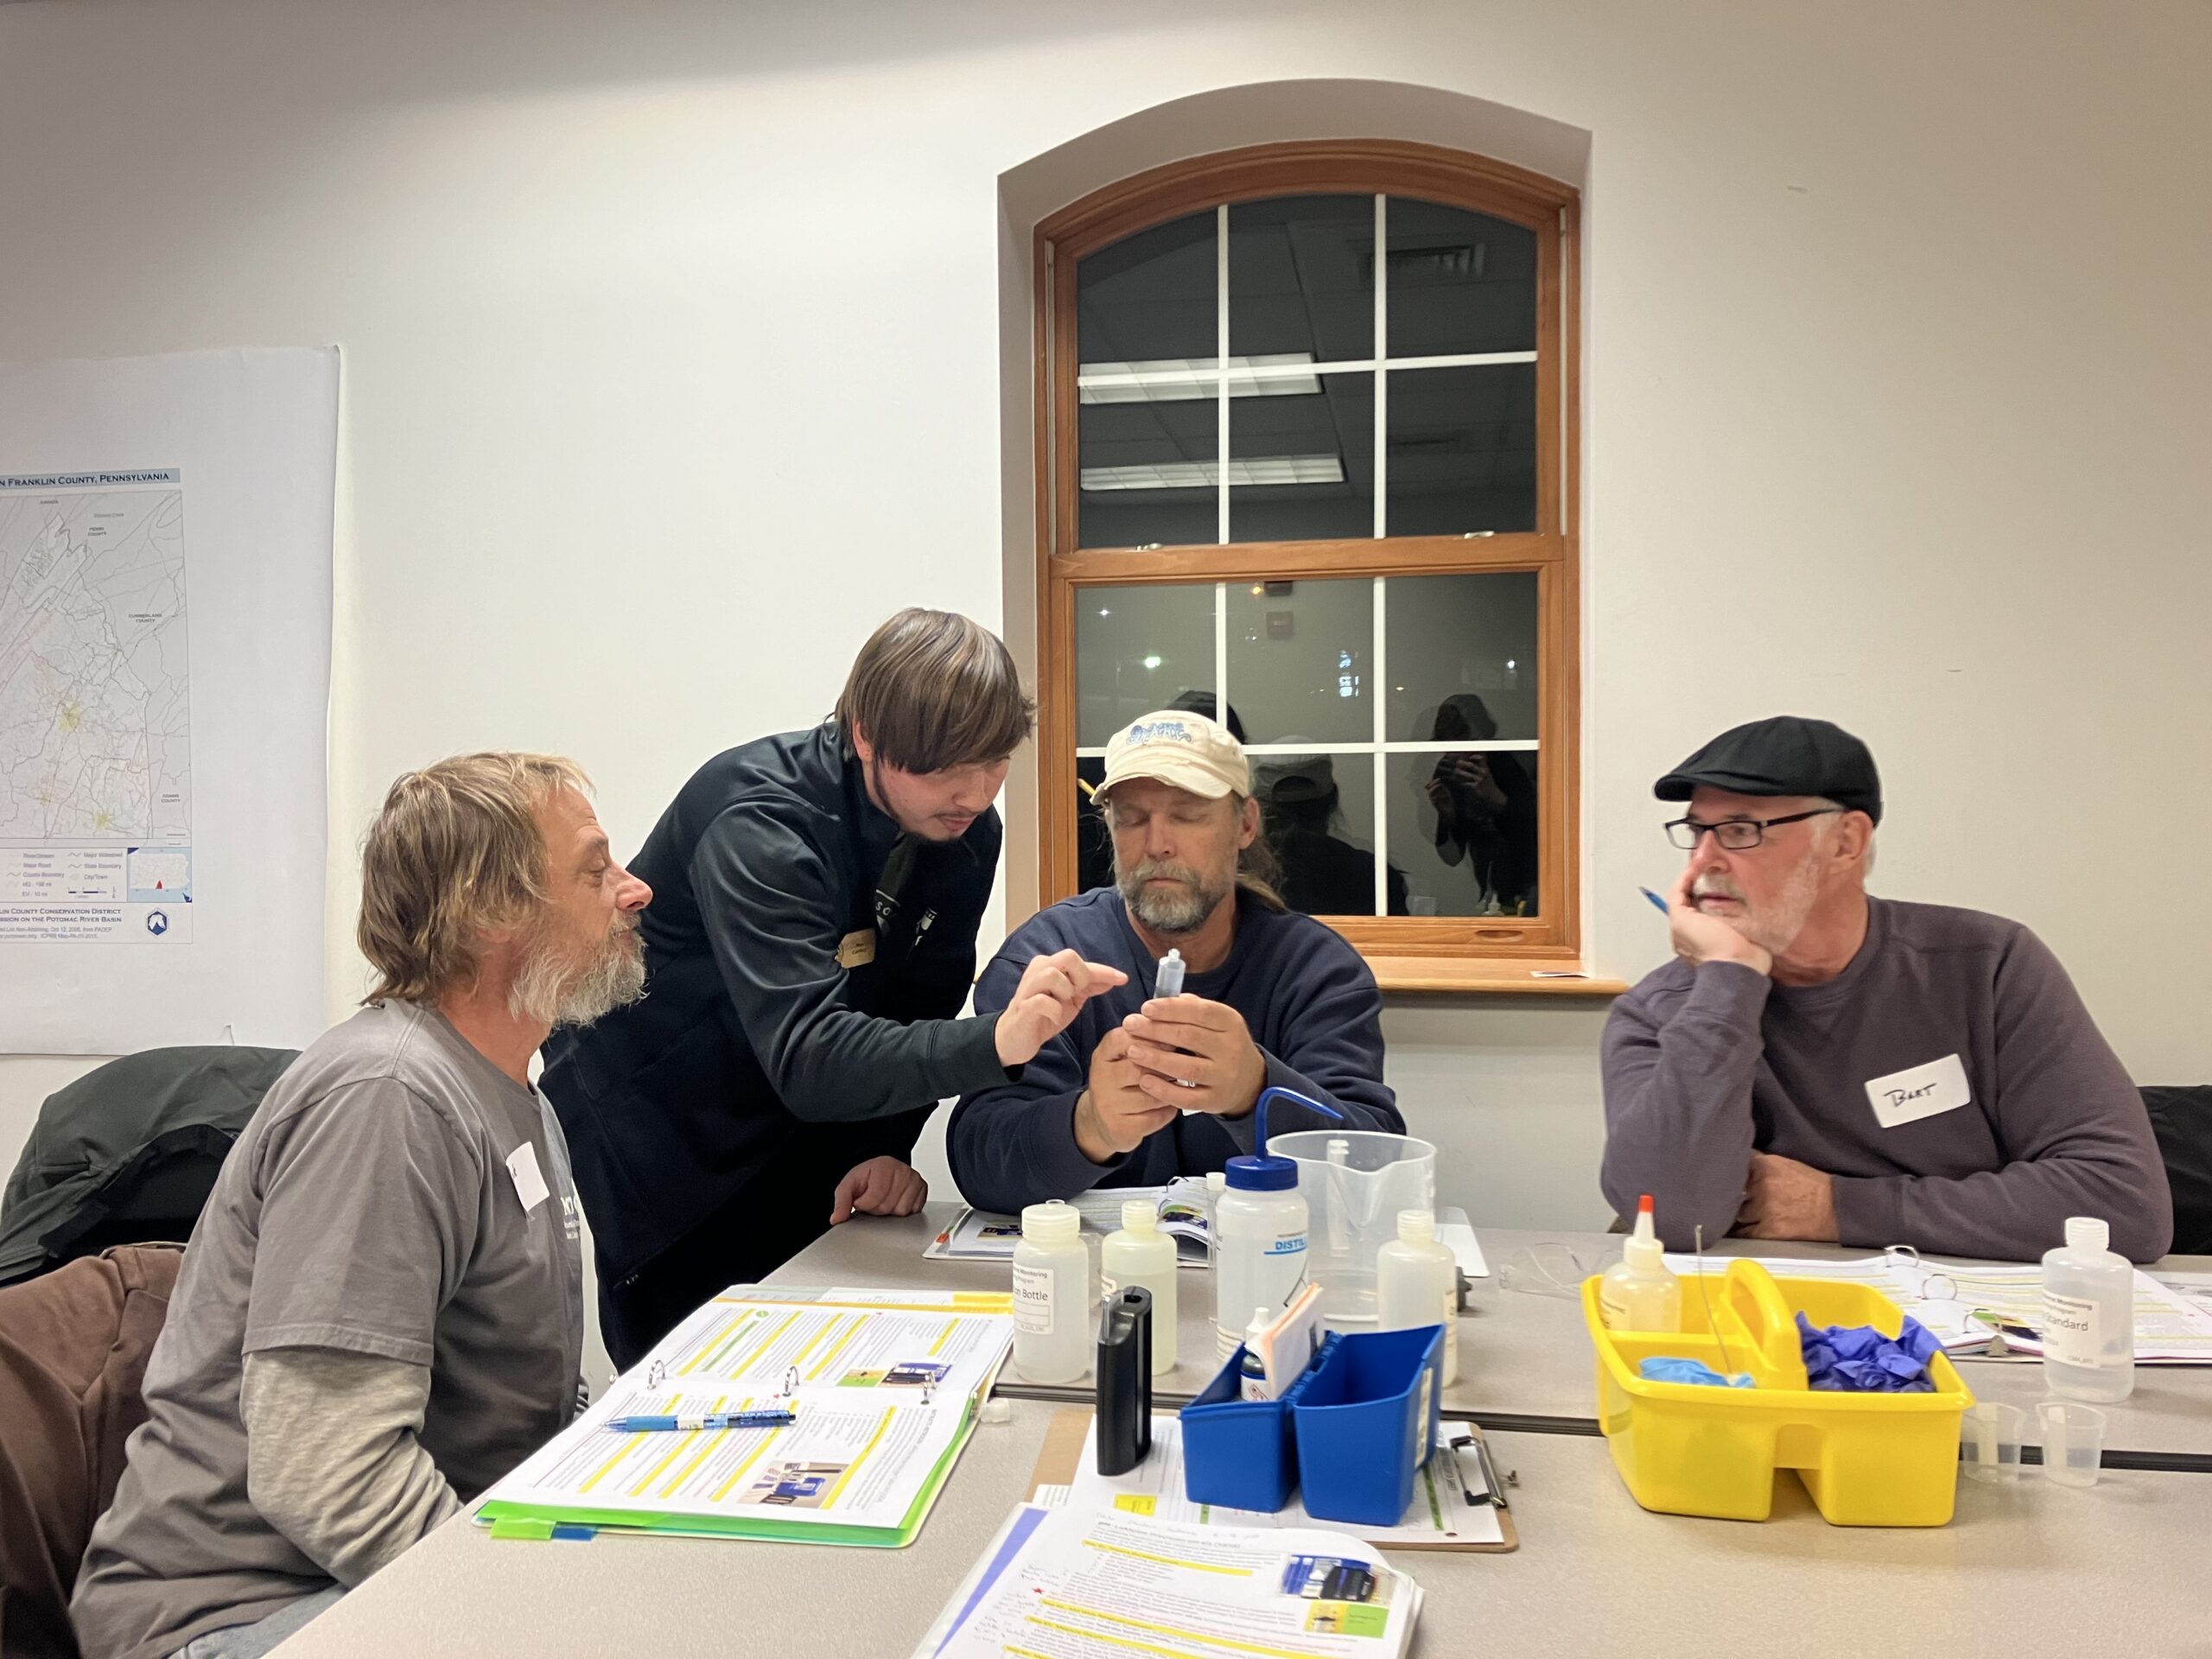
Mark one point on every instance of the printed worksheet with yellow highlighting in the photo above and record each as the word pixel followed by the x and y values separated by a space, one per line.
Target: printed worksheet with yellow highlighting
pixel 881 1396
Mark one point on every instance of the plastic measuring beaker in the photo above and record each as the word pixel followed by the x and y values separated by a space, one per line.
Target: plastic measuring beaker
pixel 1355 1182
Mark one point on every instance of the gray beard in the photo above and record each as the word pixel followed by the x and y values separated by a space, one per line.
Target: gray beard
pixel 551 993
pixel 1170 909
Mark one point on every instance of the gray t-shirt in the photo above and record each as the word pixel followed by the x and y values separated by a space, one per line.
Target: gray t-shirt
pixel 1949 1078
pixel 371 1204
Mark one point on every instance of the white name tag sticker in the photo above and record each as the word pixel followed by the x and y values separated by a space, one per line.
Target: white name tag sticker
pixel 1925 1091
pixel 529 1181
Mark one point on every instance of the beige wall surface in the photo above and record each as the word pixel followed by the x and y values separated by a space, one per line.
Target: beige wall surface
pixel 673 334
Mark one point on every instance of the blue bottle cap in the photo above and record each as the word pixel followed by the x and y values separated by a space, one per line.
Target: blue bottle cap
pixel 1261 1174
pixel 1258 1172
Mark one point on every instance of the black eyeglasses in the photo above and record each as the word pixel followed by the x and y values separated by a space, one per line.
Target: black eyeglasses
pixel 1737 835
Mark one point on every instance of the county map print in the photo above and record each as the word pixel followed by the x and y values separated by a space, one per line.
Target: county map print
pixel 95 712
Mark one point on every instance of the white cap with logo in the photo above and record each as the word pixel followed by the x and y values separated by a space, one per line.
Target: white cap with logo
pixel 1181 748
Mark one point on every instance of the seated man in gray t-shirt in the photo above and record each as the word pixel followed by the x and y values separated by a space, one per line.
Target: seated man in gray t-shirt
pixel 381 1310
pixel 1816 1063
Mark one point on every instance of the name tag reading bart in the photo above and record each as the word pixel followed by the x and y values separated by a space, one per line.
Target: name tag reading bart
pixel 1923 1091
pixel 856 949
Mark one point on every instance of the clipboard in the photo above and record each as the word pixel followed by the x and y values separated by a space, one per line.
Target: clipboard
pixel 1062 1453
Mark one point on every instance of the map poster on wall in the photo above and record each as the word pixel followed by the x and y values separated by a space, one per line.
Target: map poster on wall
pixel 165 581
pixel 95 709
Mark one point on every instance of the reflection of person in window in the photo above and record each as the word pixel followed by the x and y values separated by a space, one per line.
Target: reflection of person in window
pixel 1485 808
pixel 1322 873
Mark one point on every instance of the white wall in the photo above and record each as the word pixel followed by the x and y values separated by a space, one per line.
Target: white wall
pixel 672 335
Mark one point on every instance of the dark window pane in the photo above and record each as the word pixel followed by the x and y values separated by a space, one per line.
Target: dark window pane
pixel 1462 450
pixel 1299 656
pixel 1459 282
pixel 1150 296
pixel 1463 826
pixel 1317 814
pixel 1301 277
pixel 1146 469
pixel 1463 657
pixel 1302 468
pixel 1138 649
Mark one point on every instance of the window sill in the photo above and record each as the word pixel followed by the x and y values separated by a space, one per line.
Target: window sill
pixel 1470 976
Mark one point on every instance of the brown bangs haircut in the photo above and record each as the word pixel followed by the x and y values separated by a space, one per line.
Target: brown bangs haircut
pixel 932 689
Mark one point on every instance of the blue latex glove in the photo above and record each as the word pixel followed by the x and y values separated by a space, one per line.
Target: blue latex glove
pixel 1660 1369
pixel 1859 1359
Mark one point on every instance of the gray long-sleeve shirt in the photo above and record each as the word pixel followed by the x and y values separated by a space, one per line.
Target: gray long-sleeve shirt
pixel 1705 1065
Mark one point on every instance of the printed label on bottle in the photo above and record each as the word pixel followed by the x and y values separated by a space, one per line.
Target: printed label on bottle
pixel 2070 1335
pixel 1613 1312
pixel 1287 1244
pixel 1033 1299
pixel 1451 1328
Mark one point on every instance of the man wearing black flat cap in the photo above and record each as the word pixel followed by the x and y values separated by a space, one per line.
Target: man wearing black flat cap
pixel 1818 1064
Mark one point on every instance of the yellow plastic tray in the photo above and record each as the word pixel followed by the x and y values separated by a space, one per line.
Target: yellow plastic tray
pixel 1867 1460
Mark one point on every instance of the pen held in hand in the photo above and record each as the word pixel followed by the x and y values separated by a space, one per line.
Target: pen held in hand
pixel 1655 900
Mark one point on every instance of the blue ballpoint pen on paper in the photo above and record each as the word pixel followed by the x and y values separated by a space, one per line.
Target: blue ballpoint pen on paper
pixel 1655 900
pixel 705 1419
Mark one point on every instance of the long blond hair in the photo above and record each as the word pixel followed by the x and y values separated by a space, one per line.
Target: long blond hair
pixel 456 849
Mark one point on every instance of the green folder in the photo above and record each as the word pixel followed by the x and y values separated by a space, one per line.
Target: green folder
pixel 512 1520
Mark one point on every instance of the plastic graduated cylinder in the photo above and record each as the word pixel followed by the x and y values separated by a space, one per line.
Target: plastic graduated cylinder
pixel 1260 1228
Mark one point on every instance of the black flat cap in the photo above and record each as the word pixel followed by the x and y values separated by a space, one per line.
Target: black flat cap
pixel 1786 755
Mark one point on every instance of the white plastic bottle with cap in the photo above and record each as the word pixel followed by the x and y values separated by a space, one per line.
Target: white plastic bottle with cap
pixel 1252 1370
pixel 2088 1316
pixel 1417 1283
pixel 1051 1295
pixel 1259 1226
pixel 1141 1257
pixel 1640 1292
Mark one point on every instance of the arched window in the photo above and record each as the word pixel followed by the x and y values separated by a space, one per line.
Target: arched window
pixel 1306 463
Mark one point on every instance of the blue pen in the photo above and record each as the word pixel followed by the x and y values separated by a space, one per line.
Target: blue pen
pixel 705 1420
pixel 1655 900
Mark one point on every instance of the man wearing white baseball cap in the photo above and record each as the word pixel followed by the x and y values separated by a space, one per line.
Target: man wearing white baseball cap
pixel 1140 1088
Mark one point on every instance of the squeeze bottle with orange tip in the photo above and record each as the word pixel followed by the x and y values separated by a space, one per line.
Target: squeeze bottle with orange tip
pixel 1640 1292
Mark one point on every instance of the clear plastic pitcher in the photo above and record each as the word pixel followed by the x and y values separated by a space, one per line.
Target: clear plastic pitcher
pixel 1352 1207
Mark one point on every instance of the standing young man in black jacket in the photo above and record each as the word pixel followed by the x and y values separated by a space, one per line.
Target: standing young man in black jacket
pixel 815 935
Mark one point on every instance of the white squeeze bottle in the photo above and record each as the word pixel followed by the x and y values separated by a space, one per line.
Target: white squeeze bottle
pixel 1142 1256
pixel 1259 1226
pixel 2088 1316
pixel 1639 1292
pixel 1417 1283
pixel 1051 1295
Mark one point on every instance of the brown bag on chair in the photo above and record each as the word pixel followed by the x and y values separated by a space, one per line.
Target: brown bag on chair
pixel 73 1345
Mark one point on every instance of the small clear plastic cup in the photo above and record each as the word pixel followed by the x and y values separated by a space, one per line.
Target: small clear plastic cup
pixel 2073 1441
pixel 1989 1439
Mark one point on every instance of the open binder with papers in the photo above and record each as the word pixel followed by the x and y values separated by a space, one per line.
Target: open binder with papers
pixel 1090 1584
pixel 882 1388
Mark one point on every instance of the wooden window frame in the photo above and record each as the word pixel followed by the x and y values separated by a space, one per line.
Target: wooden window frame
pixel 1439 953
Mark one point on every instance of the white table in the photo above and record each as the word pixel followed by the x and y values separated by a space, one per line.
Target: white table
pixel 2027 1568
pixel 1524 1360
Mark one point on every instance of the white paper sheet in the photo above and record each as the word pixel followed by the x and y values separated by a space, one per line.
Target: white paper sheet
pixel 165 596
pixel 1947 1297
pixel 1076 1583
pixel 1440 1512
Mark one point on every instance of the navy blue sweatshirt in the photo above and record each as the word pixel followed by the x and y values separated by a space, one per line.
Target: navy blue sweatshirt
pixel 1306 996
